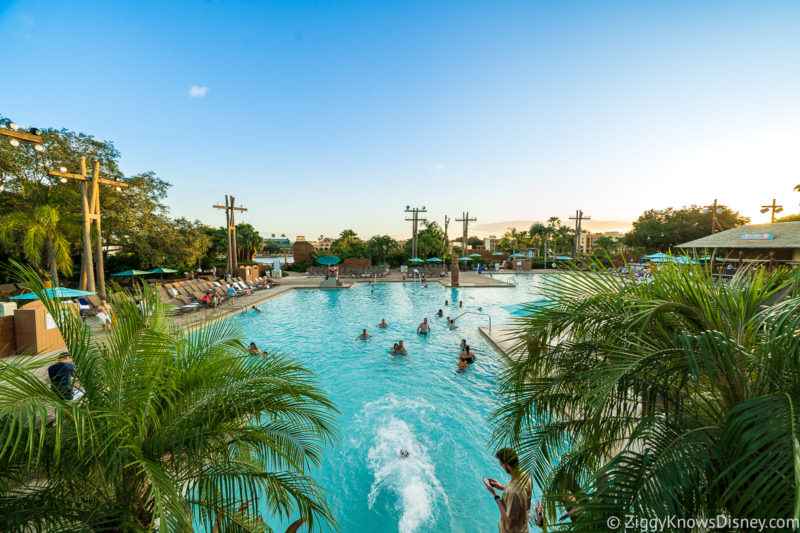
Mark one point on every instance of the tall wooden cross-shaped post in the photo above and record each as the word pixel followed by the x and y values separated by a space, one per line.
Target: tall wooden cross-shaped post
pixel 714 209
pixel 465 220
pixel 578 218
pixel 775 209
pixel 92 281
pixel 415 220
pixel 232 260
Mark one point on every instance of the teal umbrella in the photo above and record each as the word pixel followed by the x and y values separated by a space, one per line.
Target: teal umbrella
pixel 415 260
pixel 329 260
pixel 475 255
pixel 55 292
pixel 161 270
pixel 132 273
pixel 564 258
pixel 498 253
pixel 517 255
pixel 465 259
pixel 433 260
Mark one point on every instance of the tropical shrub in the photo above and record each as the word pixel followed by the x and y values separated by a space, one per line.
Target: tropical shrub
pixel 673 397
pixel 175 430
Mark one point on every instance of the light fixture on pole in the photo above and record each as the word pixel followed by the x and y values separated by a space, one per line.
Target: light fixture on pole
pixel 775 209
pixel 90 201
pixel 33 135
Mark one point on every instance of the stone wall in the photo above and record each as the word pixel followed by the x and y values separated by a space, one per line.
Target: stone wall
pixel 357 262
pixel 302 251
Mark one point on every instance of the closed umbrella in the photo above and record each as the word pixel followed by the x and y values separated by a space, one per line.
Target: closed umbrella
pixel 55 292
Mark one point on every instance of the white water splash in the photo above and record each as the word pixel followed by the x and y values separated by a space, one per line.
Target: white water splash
pixel 412 480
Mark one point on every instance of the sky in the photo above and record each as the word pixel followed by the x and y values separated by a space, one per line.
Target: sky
pixel 324 115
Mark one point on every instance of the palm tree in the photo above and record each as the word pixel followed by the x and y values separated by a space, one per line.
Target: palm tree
pixel 674 397
pixel 175 429
pixel 42 227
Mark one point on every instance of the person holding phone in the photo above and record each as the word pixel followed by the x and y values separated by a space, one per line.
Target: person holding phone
pixel 515 503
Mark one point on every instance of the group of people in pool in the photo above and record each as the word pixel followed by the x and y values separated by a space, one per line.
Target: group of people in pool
pixel 466 355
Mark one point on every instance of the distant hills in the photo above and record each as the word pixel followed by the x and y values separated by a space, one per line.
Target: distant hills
pixel 498 228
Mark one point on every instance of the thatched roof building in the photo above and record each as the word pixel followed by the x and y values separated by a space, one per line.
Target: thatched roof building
pixel 779 243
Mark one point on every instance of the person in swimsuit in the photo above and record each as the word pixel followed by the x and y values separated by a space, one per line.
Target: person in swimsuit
pixel 383 324
pixel 364 335
pixel 424 327
pixel 399 348
pixel 467 356
pixel 452 323
pixel 253 349
pixel 440 314
pixel 446 302
pixel 463 345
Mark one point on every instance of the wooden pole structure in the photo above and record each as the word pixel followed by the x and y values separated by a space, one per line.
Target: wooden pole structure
pixel 90 209
pixel 775 209
pixel 231 260
pixel 454 270
pixel 415 220
pixel 715 209
pixel 465 220
pixel 87 274
pixel 578 218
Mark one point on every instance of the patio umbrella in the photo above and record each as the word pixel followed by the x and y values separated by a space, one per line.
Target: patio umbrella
pixel 564 258
pixel 498 253
pixel 433 260
pixel 527 309
pixel 328 260
pixel 465 259
pixel 55 292
pixel 131 273
pixel 517 255
pixel 161 270
pixel 415 260
pixel 475 255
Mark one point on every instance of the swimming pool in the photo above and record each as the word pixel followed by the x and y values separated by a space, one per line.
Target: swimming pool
pixel 388 402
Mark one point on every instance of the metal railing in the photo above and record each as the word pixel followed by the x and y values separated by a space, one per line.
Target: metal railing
pixel 475 313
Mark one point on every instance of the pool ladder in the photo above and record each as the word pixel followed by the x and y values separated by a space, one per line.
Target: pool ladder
pixel 475 313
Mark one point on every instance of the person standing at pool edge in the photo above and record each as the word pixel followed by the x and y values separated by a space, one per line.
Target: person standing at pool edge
pixel 515 504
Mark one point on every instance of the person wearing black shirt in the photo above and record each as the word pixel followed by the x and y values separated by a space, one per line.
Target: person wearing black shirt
pixel 61 375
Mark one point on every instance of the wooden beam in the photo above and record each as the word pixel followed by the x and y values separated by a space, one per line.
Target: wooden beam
pixel 234 208
pixel 82 178
pixel 21 135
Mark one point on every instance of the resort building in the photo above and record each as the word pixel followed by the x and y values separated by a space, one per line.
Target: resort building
pixel 323 245
pixel 777 243
pixel 279 242
pixel 490 243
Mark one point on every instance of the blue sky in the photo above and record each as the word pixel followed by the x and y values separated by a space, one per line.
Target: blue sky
pixel 326 115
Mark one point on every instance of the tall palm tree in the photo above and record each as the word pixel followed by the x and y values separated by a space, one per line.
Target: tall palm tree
pixel 175 430
pixel 675 397
pixel 41 228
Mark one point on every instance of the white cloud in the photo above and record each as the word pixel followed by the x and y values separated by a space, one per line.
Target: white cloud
pixel 195 91
pixel 438 167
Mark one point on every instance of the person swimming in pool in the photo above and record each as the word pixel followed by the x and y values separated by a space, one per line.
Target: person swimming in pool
pixel 446 302
pixel 440 314
pixel 364 335
pixel 463 344
pixel 452 323
pixel 424 328
pixel 461 303
pixel 467 356
pixel 383 324
pixel 398 348
pixel 404 452
pixel 253 349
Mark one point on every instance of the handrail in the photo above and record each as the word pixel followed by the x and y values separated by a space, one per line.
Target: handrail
pixel 476 313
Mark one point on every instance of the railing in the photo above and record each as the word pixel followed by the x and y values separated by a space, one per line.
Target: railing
pixel 475 313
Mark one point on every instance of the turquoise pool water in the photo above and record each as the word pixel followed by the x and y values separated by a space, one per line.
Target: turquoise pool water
pixel 419 401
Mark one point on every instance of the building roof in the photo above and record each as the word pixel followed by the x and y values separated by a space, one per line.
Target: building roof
pixel 276 240
pixel 754 236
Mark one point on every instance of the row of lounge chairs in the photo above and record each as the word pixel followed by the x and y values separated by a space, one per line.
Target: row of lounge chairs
pixel 349 272
pixel 186 295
